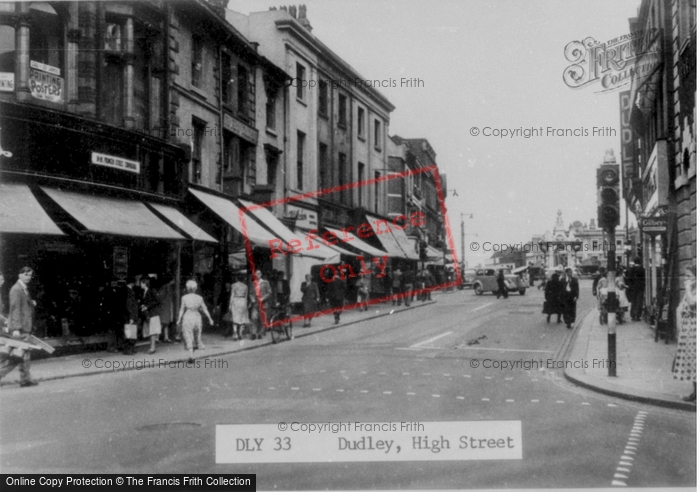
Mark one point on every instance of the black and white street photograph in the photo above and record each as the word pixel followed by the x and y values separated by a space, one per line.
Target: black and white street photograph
pixel 348 245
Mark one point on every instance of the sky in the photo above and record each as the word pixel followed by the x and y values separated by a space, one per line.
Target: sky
pixel 487 65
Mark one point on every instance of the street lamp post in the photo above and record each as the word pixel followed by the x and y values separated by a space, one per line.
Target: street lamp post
pixel 471 216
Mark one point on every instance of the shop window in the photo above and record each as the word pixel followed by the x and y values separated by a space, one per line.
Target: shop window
pixel 323 97
pixel 197 61
pixel 7 57
pixel 301 142
pixel 342 111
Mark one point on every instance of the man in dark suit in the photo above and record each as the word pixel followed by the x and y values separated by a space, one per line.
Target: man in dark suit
pixel 501 282
pixel 20 324
pixel 569 297
pixel 636 283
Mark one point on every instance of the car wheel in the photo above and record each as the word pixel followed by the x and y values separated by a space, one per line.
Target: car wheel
pixel 522 292
pixel 478 290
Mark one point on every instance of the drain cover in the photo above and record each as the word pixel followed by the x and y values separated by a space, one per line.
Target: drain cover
pixel 169 426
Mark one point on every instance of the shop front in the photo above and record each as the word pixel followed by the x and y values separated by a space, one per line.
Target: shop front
pixel 77 243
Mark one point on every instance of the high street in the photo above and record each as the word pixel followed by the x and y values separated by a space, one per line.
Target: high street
pixel 463 358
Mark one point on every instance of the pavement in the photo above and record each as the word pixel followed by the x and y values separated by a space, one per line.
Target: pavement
pixel 643 366
pixel 100 362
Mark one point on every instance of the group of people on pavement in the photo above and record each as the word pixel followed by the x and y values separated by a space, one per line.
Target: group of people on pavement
pixel 241 305
pixel 560 297
pixel 629 289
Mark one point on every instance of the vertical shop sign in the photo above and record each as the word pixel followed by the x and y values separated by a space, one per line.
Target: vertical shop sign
pixel 120 262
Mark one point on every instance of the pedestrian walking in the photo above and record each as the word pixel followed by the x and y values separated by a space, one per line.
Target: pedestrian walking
pixel 363 291
pixel 148 312
pixel 190 317
pixel 222 310
pixel 621 290
pixel 255 307
pixel 502 289
pixel 20 325
pixel 335 293
pixel 238 307
pixel 310 298
pixel 553 298
pixel 396 286
pixel 636 281
pixel 131 306
pixel 569 297
pixel 407 281
pixel 3 319
pixel 685 362
pixel 166 311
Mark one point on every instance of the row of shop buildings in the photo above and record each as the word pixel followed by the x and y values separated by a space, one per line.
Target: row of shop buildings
pixel 658 143
pixel 155 137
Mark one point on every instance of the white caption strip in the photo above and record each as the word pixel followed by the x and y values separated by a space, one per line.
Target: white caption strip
pixel 302 442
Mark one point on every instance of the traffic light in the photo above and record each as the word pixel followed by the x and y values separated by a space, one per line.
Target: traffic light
pixel 608 196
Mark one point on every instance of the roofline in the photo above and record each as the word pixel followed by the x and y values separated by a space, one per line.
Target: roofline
pixel 323 50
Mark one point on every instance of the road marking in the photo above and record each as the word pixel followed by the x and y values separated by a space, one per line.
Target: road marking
pixel 534 401
pixel 460 398
pixel 446 375
pixel 585 403
pixel 559 401
pixel 488 377
pixel 411 394
pixel 386 392
pixel 364 391
pixel 467 375
pixel 485 399
pixel 505 350
pixel 294 389
pixel 510 401
pixel 405 373
pixel 431 340
pixel 436 396
pixel 316 389
pixel 340 390
pixel 611 405
pixel 481 307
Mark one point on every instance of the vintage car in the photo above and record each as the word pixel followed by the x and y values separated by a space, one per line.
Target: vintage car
pixel 485 281
pixel 468 276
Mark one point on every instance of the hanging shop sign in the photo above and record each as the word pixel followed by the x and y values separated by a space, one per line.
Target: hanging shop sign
pixel 653 225
pixel 305 219
pixel 120 262
pixel 116 162
pixel 46 82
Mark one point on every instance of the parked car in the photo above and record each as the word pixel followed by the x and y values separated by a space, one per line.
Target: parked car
pixel 468 276
pixel 485 281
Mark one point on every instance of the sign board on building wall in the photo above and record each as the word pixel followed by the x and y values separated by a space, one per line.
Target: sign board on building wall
pixel 45 82
pixel 305 219
pixel 120 262
pixel 653 225
pixel 116 162
pixel 626 143
pixel 7 82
